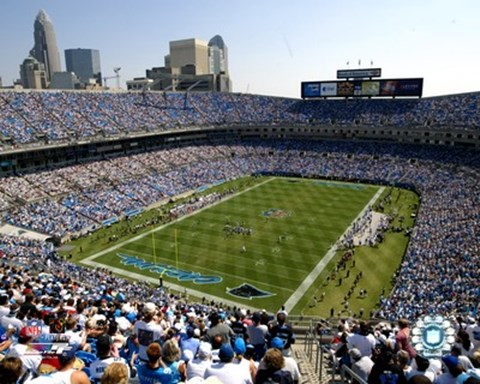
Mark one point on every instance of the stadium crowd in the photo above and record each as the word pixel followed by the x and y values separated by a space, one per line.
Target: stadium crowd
pixel 447 222
pixel 62 116
pixel 157 336
pixel 382 353
pixel 439 273
pixel 147 334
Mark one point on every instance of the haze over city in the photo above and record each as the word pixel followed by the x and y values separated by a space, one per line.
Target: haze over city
pixel 273 45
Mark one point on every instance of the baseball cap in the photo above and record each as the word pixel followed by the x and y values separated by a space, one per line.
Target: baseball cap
pixel 149 308
pixel 450 361
pixel 239 346
pixel 67 354
pixel 277 342
pixel 204 350
pixel 187 355
pixel 226 352
pixel 99 320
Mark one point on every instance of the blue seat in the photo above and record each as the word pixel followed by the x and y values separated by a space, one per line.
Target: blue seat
pixel 86 357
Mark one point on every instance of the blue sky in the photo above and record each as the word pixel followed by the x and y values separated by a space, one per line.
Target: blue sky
pixel 273 44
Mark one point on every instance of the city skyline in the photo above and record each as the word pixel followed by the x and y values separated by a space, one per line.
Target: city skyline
pixel 273 45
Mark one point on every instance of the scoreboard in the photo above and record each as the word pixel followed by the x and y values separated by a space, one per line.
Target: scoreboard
pixel 363 88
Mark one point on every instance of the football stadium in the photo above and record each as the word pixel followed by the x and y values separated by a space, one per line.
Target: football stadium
pixel 179 232
pixel 237 208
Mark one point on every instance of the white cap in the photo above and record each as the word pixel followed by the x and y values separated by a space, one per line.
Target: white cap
pixel 149 308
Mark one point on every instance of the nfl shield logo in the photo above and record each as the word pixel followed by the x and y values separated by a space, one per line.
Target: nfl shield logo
pixel 433 336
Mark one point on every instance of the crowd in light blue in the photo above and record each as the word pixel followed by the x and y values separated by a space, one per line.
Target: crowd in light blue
pixel 61 116
pixel 446 178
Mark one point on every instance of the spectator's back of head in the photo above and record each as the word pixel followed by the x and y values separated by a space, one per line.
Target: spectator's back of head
pixel 217 341
pixel 364 328
pixel 274 359
pixel 403 357
pixel 170 351
pixel 355 354
pixel 115 373
pixel 10 370
pixel 104 344
pixel 154 352
pixel 214 319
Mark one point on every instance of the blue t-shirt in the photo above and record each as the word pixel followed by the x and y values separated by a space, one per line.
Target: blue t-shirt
pixel 147 375
pixel 176 377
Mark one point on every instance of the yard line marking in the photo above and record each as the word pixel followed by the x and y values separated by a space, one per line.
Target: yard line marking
pixel 310 279
pixel 223 257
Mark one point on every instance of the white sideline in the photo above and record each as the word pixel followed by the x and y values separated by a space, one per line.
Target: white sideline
pixel 310 279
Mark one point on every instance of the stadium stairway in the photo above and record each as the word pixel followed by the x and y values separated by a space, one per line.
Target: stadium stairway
pixel 314 367
pixel 311 371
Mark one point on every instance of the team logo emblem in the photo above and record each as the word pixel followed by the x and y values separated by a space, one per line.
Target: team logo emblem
pixel 276 213
pixel 249 292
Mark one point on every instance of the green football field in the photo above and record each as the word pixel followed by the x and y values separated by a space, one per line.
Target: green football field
pixel 254 248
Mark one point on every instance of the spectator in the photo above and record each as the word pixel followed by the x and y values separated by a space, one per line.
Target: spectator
pixel 66 373
pixel 402 338
pixel 217 327
pixel 284 331
pixel 115 373
pixel 386 370
pixel 452 369
pixel 105 358
pixel 30 358
pixel 361 365
pixel 147 330
pixel 271 368
pixel 362 339
pixel 203 360
pixel 257 334
pixel 154 370
pixel 240 349
pixel 171 358
pixel 226 371
pixel 11 370
pixel 190 342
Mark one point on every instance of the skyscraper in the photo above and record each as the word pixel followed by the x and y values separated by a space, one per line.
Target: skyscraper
pixel 85 63
pixel 189 52
pixel 32 74
pixel 45 49
pixel 218 56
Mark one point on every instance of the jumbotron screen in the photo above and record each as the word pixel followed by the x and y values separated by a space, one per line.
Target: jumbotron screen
pixel 363 88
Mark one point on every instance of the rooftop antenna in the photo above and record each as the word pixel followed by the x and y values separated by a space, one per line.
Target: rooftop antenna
pixel 117 75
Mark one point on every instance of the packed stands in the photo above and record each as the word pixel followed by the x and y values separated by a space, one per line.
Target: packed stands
pixel 60 116
pixel 69 201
